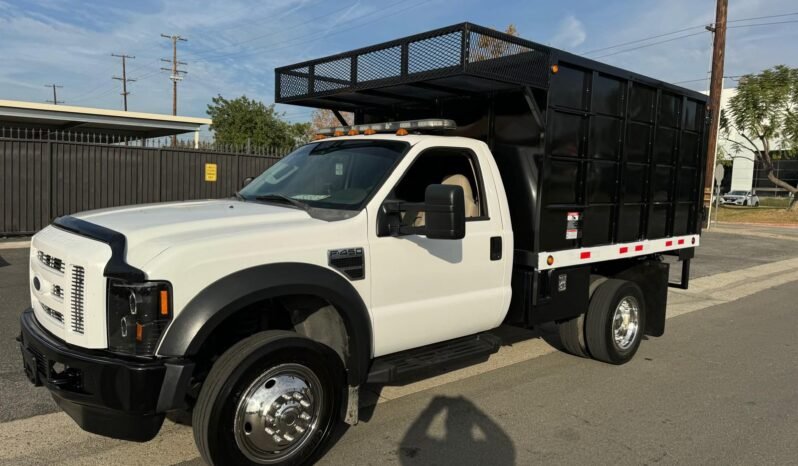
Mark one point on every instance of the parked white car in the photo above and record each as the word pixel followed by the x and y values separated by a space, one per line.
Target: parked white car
pixel 740 198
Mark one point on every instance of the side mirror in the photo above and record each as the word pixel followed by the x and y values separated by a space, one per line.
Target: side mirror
pixel 247 181
pixel 445 212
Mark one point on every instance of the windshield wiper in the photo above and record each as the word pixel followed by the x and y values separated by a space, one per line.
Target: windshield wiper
pixel 239 196
pixel 281 198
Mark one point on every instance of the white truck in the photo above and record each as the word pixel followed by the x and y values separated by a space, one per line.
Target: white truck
pixel 377 252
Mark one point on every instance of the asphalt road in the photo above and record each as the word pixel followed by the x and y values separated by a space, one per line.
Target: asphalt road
pixel 719 387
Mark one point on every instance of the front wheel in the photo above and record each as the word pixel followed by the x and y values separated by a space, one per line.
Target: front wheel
pixel 615 321
pixel 269 399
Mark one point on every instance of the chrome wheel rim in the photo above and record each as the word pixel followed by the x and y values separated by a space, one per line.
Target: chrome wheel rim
pixel 626 322
pixel 278 413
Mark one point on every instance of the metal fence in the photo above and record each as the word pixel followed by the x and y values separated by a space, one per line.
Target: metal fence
pixel 43 178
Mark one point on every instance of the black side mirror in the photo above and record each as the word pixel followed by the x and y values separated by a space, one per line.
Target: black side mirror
pixel 445 212
pixel 247 181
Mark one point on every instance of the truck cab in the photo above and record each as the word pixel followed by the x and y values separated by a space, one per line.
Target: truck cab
pixel 520 187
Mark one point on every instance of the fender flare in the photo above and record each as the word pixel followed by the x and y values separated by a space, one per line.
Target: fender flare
pixel 209 308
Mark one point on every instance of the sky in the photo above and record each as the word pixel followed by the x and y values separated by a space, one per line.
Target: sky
pixel 233 46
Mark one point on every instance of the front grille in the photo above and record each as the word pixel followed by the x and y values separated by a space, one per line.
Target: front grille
pixel 58 291
pixel 53 313
pixel 78 274
pixel 51 262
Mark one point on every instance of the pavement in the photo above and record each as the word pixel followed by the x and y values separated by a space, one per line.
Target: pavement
pixel 719 387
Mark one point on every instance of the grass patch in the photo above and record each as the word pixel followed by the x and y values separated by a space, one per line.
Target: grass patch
pixel 755 215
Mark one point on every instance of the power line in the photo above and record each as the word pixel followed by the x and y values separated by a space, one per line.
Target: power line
pixel 636 41
pixel 762 24
pixel 124 77
pixel 293 42
pixel 55 100
pixel 650 45
pixel 273 33
pixel 687 35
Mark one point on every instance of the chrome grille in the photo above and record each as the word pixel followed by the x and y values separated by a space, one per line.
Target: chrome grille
pixel 53 313
pixel 51 262
pixel 78 274
pixel 58 291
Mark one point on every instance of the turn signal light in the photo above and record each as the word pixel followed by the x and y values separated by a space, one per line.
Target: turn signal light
pixel 139 332
pixel 555 69
pixel 164 303
pixel 550 260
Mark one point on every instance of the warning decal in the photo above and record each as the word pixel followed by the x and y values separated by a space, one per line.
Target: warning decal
pixel 573 228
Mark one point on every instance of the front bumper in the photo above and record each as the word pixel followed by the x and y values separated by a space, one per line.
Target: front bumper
pixel 104 394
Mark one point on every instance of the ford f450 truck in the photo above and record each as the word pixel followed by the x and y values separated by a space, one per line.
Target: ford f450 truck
pixel 487 180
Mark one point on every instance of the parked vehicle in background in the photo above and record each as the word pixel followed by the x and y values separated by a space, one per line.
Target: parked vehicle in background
pixel 738 197
pixel 487 180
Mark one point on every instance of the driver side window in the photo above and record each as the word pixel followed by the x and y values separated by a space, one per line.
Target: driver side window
pixel 448 166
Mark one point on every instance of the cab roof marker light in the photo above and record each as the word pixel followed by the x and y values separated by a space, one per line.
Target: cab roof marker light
pixel 437 124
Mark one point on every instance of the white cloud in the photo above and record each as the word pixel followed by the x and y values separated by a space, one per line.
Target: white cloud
pixel 571 33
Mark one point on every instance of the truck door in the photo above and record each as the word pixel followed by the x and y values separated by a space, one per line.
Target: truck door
pixel 427 290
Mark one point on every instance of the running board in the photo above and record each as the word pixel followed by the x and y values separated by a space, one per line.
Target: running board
pixel 440 357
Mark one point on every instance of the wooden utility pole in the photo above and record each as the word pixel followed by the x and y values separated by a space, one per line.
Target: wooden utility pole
pixel 177 73
pixel 124 77
pixel 55 100
pixel 715 89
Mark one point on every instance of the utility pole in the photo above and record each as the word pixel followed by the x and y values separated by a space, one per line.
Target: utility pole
pixel 55 100
pixel 715 89
pixel 124 77
pixel 177 73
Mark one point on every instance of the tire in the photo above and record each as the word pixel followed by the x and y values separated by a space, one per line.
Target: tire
pixel 572 336
pixel 305 373
pixel 599 331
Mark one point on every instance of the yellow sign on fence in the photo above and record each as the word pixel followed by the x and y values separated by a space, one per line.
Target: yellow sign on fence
pixel 210 172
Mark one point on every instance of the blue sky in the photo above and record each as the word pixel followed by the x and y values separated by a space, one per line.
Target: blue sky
pixel 234 46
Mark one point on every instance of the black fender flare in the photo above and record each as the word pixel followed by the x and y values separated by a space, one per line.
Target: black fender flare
pixel 209 308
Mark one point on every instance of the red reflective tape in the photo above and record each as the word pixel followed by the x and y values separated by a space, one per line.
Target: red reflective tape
pixel 681 241
pixel 668 243
pixel 585 255
pixel 623 250
pixel 639 247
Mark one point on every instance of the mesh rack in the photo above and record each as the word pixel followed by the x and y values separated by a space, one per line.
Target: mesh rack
pixel 449 61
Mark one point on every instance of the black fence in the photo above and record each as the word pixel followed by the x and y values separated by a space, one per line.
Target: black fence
pixel 43 178
pixel 785 170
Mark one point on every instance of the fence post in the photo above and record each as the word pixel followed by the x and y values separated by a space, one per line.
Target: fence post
pixel 50 181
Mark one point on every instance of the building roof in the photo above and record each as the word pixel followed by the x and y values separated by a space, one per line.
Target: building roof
pixel 49 117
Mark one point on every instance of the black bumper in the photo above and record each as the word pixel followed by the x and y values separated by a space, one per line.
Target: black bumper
pixel 105 395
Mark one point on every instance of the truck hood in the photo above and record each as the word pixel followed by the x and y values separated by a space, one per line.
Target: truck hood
pixel 153 228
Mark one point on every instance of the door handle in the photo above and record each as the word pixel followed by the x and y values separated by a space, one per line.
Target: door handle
pixel 496 248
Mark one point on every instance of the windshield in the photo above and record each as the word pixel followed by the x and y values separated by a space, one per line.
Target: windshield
pixel 329 174
pixel 737 193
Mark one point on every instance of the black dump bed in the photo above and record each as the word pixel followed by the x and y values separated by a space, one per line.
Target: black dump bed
pixel 619 154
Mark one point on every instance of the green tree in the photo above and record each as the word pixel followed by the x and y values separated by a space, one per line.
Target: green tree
pixel 764 113
pixel 243 121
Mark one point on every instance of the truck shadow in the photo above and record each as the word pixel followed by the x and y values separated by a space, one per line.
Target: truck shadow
pixel 452 430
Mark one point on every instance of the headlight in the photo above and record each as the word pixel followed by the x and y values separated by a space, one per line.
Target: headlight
pixel 138 314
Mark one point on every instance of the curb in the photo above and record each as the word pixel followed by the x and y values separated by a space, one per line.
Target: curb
pixel 15 245
pixel 779 225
